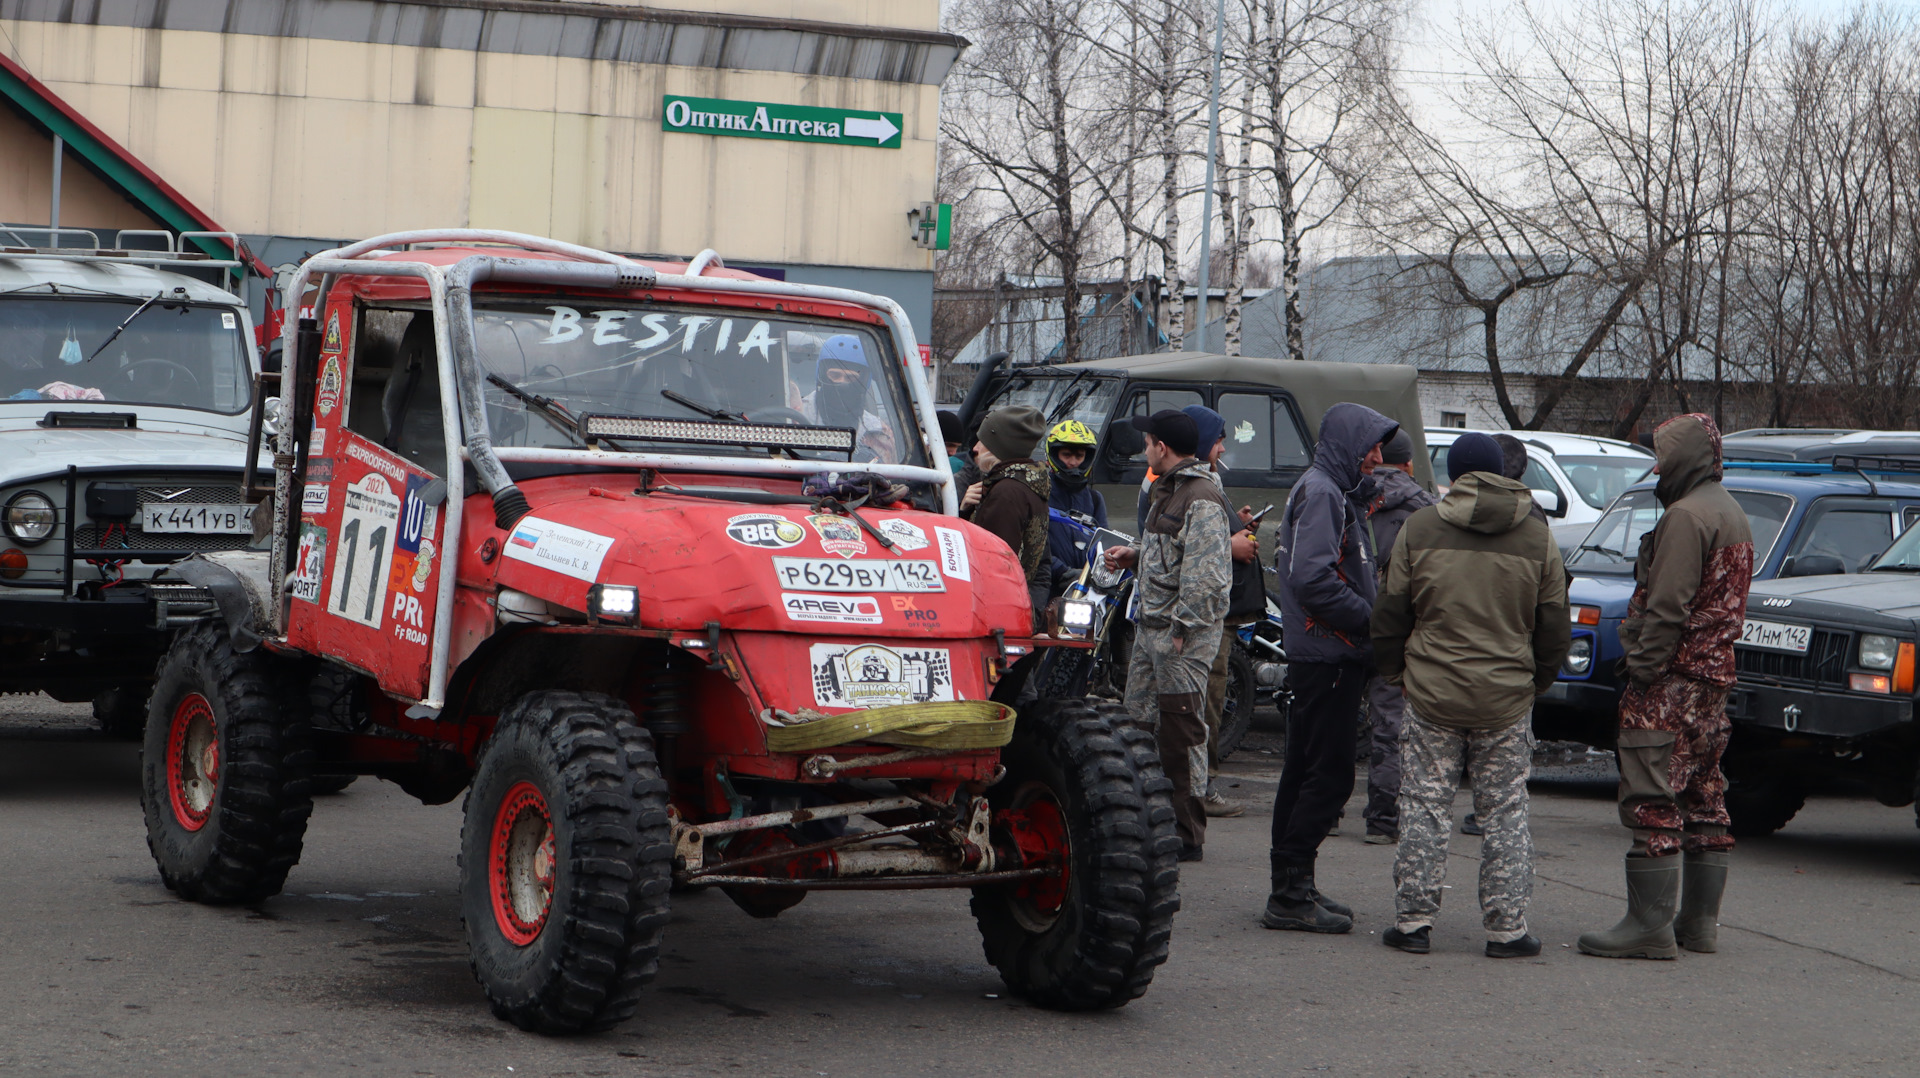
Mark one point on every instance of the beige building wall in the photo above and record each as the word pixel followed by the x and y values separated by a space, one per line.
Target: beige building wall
pixel 26 188
pixel 314 137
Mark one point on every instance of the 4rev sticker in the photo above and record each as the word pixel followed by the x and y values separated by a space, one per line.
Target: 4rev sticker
pixel 874 675
pixel 835 609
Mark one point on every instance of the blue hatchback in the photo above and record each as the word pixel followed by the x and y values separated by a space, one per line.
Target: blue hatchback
pixel 1807 520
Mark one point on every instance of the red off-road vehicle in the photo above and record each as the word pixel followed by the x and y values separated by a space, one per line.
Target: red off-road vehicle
pixel 657 564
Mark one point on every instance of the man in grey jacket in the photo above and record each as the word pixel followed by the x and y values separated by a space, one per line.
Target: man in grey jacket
pixel 1400 494
pixel 1325 560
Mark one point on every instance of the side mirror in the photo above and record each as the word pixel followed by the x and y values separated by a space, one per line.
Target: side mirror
pixel 1124 441
pixel 1551 502
pixel 1814 565
pixel 270 359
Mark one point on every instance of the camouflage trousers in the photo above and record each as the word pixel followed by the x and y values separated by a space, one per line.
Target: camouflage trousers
pixel 1498 762
pixel 1167 691
pixel 1672 793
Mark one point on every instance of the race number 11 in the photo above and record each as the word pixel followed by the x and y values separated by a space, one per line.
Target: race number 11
pixel 368 520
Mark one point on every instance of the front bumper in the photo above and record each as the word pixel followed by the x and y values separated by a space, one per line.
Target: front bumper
pixel 1809 711
pixel 138 609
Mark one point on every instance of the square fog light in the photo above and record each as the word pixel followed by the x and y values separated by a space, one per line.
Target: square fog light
pixel 617 604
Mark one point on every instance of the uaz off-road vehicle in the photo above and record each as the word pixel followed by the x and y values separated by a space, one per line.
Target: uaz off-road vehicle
pixel 654 563
pixel 126 377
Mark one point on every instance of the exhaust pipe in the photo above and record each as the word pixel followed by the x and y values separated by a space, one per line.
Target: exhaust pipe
pixel 978 391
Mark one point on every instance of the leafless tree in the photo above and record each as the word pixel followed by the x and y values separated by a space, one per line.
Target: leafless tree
pixel 1027 109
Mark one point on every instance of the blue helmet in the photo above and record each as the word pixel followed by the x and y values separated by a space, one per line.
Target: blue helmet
pixel 841 350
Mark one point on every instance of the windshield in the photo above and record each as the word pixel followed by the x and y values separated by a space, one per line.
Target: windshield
pixel 1609 550
pixel 588 358
pixel 1599 480
pixel 1903 555
pixel 1062 397
pixel 177 354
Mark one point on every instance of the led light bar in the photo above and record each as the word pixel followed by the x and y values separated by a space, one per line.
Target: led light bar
pixel 772 436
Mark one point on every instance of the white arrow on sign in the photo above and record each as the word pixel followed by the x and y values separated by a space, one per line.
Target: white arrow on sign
pixel 878 130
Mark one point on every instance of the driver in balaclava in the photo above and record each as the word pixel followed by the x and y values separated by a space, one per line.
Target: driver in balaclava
pixel 1070 447
pixel 842 379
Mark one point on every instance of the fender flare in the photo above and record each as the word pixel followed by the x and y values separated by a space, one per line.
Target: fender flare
pixel 231 597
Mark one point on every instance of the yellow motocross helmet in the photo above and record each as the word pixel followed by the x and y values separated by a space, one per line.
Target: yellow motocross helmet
pixel 1073 433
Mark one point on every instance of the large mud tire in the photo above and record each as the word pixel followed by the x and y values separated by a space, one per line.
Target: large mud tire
pixel 1100 946
pixel 224 770
pixel 572 953
pixel 1759 805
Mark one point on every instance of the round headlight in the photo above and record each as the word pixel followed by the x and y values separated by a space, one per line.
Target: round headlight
pixel 1580 656
pixel 29 518
pixel 1877 652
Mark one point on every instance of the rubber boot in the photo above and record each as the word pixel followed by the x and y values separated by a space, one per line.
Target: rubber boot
pixel 1291 906
pixel 1703 879
pixel 1653 890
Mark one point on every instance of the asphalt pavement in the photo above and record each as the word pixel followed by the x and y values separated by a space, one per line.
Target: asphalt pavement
pixel 359 967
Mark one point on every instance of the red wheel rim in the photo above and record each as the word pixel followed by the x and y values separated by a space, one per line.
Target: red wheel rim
pixel 1039 831
pixel 520 864
pixel 193 761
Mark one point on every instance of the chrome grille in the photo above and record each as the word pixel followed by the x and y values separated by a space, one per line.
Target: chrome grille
pixel 131 537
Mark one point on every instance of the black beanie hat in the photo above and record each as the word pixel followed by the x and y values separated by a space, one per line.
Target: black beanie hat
pixel 1474 452
pixel 950 427
pixel 1172 426
pixel 1514 454
pixel 1397 449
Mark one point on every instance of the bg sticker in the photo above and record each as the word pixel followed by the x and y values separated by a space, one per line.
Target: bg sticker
pixel 764 530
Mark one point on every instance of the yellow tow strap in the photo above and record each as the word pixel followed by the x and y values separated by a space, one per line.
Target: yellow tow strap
pixel 954 725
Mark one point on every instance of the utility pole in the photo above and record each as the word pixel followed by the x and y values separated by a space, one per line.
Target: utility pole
pixel 1206 203
pixel 53 211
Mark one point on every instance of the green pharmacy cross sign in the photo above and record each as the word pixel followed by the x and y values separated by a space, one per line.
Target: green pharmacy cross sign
pixel 792 123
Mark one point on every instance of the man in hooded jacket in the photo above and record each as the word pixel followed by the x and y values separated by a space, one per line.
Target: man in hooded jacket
pixel 1011 501
pixel 1324 556
pixel 1688 607
pixel 1472 624
pixel 1400 495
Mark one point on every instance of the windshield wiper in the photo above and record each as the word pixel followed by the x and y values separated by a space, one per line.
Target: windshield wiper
pixel 1895 569
pixel 1602 550
pixel 707 410
pixel 123 325
pixel 546 408
pixel 711 412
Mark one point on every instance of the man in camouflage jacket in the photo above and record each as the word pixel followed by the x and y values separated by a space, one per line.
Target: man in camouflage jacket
pixel 1184 568
pixel 1689 603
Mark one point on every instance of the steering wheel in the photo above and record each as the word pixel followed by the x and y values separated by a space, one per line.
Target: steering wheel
pixel 786 417
pixel 174 371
